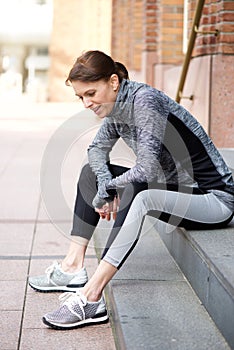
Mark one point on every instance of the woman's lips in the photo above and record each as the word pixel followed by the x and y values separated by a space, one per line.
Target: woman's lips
pixel 96 109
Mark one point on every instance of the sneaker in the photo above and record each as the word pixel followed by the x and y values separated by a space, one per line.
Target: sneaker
pixel 75 311
pixel 56 280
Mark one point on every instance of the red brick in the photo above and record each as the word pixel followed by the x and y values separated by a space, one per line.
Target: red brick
pixel 172 16
pixel 226 38
pixel 151 7
pixel 151 47
pixel 227 16
pixel 226 49
pixel 151 20
pixel 225 5
pixel 204 20
pixel 172 2
pixel 228 27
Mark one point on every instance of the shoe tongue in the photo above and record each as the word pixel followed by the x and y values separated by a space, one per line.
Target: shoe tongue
pixel 81 297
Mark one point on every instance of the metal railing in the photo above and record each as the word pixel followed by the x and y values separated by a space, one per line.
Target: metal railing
pixel 192 38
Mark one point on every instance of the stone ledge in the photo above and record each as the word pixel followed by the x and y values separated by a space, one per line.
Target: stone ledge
pixel 207 260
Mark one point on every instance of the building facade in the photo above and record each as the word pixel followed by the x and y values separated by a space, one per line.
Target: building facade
pixel 157 37
pixel 149 36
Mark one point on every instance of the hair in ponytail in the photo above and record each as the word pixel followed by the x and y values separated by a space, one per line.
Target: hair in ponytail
pixel 96 65
pixel 121 71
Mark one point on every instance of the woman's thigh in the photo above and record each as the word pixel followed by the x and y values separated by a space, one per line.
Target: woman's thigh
pixel 186 210
pixel 192 211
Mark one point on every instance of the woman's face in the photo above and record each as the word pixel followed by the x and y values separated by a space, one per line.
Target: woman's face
pixel 99 96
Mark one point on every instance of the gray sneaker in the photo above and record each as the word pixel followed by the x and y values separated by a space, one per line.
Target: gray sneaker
pixel 56 280
pixel 75 311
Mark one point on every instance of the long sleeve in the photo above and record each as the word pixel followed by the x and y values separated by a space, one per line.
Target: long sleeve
pixel 150 117
pixel 98 156
pixel 99 150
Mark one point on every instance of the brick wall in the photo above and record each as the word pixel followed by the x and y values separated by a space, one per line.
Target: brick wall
pixel 217 51
pixel 155 49
pixel 146 35
pixel 171 31
pixel 127 32
pixel 151 25
pixel 217 15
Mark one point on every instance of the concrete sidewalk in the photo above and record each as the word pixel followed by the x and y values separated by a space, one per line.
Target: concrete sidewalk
pixel 29 241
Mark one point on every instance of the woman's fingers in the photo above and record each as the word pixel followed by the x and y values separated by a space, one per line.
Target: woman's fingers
pixel 108 209
pixel 108 216
pixel 115 208
pixel 104 212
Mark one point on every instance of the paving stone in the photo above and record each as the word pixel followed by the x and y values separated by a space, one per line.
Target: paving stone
pixel 16 238
pixel 24 135
pixel 95 337
pixel 10 326
pixel 13 270
pixel 37 304
pixel 12 293
pixel 50 241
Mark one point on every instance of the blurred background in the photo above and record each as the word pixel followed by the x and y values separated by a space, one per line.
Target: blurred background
pixel 40 40
pixel 25 32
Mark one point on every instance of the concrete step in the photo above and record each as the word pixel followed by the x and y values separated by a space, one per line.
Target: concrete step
pixel 207 260
pixel 152 304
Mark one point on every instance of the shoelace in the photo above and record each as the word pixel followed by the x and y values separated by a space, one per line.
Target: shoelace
pixel 49 271
pixel 66 296
pixel 71 299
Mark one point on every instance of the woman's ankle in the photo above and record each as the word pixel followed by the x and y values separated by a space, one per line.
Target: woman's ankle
pixel 92 296
pixel 74 260
pixel 71 267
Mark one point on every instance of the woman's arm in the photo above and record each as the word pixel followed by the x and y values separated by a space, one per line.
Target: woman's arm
pixel 98 156
pixel 150 119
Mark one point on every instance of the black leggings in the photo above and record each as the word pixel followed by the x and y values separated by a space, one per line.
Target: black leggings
pixel 85 218
pixel 163 202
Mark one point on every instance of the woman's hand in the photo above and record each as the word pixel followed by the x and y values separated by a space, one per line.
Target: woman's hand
pixel 108 209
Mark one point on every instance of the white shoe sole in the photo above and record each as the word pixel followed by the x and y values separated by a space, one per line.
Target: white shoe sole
pixel 67 288
pixel 100 318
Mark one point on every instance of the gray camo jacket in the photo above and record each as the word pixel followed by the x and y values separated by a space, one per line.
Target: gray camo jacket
pixel 169 143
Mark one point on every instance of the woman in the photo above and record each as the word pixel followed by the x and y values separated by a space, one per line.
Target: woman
pixel 179 177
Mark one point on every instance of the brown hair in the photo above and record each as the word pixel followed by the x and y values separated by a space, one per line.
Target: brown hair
pixel 96 65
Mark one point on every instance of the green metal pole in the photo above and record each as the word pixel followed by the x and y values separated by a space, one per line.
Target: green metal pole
pixel 196 20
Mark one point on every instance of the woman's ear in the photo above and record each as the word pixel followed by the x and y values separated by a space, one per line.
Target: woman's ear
pixel 114 80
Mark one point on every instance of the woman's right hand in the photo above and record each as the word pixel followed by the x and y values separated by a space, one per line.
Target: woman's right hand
pixel 109 209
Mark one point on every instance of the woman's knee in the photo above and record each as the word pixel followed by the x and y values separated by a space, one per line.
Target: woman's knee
pixel 147 200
